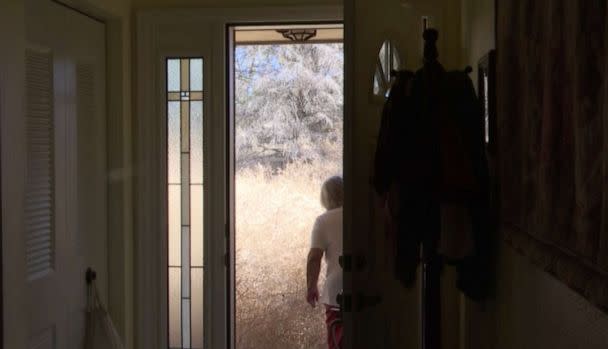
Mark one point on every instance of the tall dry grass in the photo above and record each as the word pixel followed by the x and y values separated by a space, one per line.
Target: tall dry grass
pixel 274 217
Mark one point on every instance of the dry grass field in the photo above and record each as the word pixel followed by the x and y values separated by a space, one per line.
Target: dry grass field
pixel 274 217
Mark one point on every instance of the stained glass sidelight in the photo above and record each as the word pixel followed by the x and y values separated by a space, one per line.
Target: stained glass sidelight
pixel 185 202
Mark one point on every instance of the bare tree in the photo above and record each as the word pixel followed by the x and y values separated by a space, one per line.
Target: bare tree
pixel 289 103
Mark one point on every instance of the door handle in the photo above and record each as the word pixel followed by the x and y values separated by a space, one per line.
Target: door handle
pixel 90 275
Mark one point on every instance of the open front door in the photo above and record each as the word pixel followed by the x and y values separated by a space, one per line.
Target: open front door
pixel 379 36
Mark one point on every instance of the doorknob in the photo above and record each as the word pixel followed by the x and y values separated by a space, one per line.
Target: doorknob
pixel 90 275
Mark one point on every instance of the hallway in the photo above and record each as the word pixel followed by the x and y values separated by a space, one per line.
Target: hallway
pixel 89 168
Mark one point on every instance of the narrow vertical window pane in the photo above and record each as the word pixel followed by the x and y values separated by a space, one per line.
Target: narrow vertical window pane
pixel 185 75
pixel 197 308
pixel 186 262
pixel 196 204
pixel 185 190
pixel 186 323
pixel 196 74
pixel 173 75
pixel 175 224
pixel 185 111
pixel 196 142
pixel 173 142
pixel 175 316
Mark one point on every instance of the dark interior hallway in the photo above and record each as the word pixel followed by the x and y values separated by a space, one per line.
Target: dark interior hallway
pixel 86 179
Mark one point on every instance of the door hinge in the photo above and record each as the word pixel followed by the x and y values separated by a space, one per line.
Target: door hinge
pixel 346 262
pixel 360 301
pixel 345 300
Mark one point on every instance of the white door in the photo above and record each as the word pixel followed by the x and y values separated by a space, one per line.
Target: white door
pixel 385 313
pixel 65 205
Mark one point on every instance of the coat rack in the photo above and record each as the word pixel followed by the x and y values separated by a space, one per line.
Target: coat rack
pixel 430 145
pixel 431 261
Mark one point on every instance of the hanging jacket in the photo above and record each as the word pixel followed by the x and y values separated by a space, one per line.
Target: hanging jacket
pixel 393 153
pixel 430 164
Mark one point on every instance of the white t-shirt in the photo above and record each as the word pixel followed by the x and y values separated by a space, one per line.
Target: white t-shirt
pixel 327 236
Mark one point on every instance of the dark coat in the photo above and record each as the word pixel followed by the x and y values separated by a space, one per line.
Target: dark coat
pixel 430 151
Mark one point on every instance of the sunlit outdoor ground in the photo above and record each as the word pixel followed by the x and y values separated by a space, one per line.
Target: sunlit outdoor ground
pixel 274 219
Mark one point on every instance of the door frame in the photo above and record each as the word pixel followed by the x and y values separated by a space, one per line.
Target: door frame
pixel 167 33
pixel 12 116
pixel 1 234
pixel 230 156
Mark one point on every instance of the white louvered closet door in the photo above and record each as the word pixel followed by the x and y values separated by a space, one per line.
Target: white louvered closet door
pixel 65 207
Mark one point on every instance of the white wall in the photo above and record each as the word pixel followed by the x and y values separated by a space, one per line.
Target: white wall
pixel 535 310
pixel 532 309
pixel 121 164
pixel 477 31
pixel 478 37
pixel 117 16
